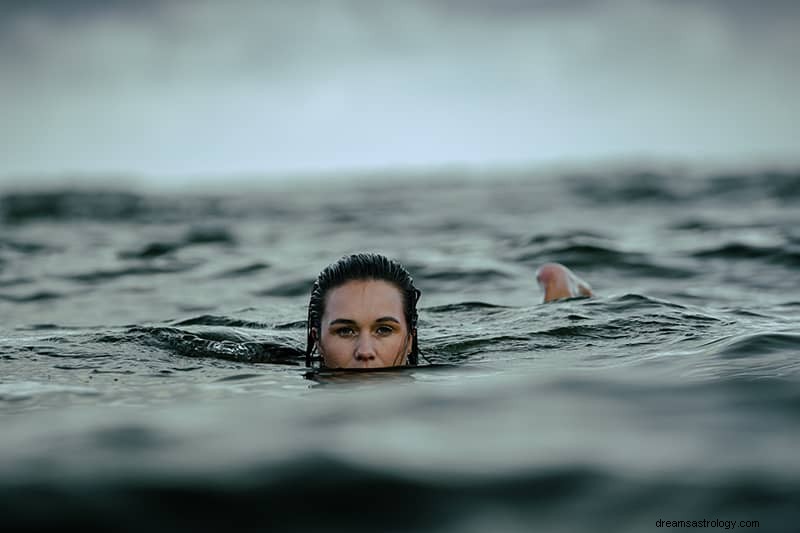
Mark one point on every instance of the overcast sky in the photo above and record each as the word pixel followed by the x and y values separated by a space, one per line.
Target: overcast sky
pixel 266 87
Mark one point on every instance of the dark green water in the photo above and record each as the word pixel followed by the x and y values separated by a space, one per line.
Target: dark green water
pixel 150 374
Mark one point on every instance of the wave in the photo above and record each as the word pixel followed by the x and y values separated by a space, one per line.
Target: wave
pixel 648 329
pixel 36 296
pixel 209 235
pixel 577 254
pixel 150 250
pixel 14 282
pixel 316 493
pixel 639 186
pixel 655 187
pixel 96 276
pixel 460 275
pixel 737 250
pixel 783 186
pixel 463 306
pixel 104 205
pixel 99 205
pixel 244 270
pixel 299 287
pixel 296 324
pixel 198 235
pixel 633 301
pixel 25 390
pixel 215 320
pixel 23 247
pixel 617 321
pixel 642 187
pixel 583 255
pixel 567 236
pixel 220 344
pixel 756 344
pixel 454 351
pixel 454 273
pixel 697 224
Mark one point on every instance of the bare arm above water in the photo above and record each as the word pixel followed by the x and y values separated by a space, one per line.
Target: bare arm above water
pixel 557 282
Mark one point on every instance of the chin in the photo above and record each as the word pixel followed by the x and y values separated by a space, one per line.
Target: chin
pixel 367 365
pixel 355 364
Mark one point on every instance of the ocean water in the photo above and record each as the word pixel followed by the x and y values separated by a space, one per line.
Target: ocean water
pixel 151 373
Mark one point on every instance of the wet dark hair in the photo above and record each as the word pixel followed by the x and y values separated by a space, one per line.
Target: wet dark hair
pixel 363 266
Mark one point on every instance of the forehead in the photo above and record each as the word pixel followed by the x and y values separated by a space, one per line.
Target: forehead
pixel 364 300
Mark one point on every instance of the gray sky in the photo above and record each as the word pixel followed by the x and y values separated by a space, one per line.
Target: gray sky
pixel 208 88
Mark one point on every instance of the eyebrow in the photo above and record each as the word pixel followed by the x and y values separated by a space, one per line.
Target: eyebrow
pixel 351 322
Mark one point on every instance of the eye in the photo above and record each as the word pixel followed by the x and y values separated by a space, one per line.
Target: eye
pixel 383 331
pixel 344 332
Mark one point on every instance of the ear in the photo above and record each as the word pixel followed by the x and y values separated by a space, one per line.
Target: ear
pixel 411 342
pixel 315 338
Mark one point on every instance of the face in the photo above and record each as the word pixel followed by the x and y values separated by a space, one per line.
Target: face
pixel 364 326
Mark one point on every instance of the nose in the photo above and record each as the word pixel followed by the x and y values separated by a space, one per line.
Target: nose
pixel 365 349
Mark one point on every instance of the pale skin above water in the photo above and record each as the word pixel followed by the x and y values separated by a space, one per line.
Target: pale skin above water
pixel 364 325
pixel 557 282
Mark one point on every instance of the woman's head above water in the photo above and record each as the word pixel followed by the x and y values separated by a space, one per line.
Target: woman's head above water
pixel 363 314
pixel 363 311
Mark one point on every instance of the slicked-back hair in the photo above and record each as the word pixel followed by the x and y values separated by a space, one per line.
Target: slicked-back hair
pixel 362 267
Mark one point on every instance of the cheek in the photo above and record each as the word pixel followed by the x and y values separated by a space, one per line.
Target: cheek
pixel 392 348
pixel 332 342
pixel 336 348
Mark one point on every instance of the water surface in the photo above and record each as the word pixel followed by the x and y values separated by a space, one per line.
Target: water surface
pixel 151 357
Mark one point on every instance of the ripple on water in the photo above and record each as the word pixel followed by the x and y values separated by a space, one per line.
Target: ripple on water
pixel 96 276
pixel 25 390
pixel 244 270
pixel 215 320
pixel 757 344
pixel 36 296
pixel 736 250
pixel 298 287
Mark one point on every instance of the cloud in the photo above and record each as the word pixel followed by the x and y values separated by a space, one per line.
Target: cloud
pixel 205 88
